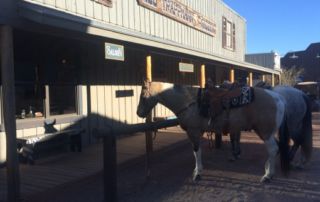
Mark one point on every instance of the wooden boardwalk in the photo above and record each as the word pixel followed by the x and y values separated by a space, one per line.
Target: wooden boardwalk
pixel 70 167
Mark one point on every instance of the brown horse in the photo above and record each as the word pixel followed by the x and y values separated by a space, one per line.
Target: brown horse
pixel 264 113
pixel 182 101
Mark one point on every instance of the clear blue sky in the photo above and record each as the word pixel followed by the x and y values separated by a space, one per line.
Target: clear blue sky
pixel 279 25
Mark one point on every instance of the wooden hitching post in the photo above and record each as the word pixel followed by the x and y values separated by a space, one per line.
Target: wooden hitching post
pixel 110 167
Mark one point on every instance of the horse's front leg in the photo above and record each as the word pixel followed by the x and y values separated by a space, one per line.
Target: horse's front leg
pixel 272 148
pixel 235 145
pixel 194 137
pixel 218 140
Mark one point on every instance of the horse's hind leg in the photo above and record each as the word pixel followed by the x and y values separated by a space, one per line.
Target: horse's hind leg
pixel 293 151
pixel 272 148
pixel 235 144
pixel 195 140
pixel 218 140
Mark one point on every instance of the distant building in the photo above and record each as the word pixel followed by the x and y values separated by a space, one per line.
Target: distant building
pixel 308 59
pixel 270 60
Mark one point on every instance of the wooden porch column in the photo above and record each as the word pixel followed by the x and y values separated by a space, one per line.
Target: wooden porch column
pixel 272 80
pixel 231 75
pixel 148 134
pixel 7 68
pixel 250 79
pixel 202 76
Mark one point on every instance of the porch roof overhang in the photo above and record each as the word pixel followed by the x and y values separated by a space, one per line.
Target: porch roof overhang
pixel 67 20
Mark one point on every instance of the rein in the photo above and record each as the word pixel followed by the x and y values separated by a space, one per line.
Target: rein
pixel 184 108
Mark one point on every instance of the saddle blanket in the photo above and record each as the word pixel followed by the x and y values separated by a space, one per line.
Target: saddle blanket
pixel 246 96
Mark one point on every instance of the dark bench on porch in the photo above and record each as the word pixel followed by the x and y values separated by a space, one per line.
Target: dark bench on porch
pixel 33 147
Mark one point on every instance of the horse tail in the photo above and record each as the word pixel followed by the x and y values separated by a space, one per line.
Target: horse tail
pixel 306 143
pixel 284 146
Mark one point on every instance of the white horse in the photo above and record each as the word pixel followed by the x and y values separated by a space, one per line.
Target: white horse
pixel 182 101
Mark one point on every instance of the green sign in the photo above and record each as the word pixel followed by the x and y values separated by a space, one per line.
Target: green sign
pixel 186 67
pixel 114 52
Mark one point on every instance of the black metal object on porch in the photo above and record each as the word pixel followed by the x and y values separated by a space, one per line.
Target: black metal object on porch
pixel 110 150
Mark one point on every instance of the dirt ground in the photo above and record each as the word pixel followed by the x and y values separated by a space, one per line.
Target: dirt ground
pixel 222 180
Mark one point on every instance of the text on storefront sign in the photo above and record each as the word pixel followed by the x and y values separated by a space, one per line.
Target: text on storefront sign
pixel 114 52
pixel 180 12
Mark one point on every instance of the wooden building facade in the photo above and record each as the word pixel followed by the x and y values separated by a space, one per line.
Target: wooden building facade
pixel 61 70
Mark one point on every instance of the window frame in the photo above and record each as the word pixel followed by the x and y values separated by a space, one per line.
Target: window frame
pixel 38 121
pixel 60 119
pixel 226 35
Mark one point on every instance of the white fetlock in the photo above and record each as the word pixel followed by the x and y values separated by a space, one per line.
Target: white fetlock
pixel 196 174
pixel 232 158
pixel 265 179
pixel 299 166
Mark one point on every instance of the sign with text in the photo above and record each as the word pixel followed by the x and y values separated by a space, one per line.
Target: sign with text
pixel 104 2
pixel 182 13
pixel 186 67
pixel 114 52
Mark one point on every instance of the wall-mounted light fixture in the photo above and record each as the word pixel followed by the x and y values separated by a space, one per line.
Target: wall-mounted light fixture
pixel 318 56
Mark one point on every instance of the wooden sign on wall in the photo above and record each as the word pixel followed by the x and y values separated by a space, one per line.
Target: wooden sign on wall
pixel 104 2
pixel 182 13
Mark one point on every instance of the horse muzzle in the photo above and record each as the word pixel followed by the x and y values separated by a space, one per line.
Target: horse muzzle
pixel 141 113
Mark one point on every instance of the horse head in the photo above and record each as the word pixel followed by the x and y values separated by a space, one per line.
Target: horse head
pixel 147 100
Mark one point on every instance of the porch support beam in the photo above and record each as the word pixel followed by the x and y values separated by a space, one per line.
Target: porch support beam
pixel 8 95
pixel 231 75
pixel 148 134
pixel 202 76
pixel 250 82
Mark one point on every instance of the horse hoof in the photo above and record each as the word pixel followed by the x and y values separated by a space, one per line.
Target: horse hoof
pixel 232 158
pixel 265 179
pixel 298 167
pixel 196 178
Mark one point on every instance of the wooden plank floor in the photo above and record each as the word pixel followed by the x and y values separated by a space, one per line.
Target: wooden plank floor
pixel 71 167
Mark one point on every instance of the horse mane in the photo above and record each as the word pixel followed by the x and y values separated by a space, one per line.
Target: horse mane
pixel 189 92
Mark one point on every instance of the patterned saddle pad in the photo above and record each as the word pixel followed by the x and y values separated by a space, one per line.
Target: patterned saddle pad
pixel 238 97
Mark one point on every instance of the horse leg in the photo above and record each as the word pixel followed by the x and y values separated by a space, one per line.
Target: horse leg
pixel 195 140
pixel 302 160
pixel 272 148
pixel 293 151
pixel 235 144
pixel 218 140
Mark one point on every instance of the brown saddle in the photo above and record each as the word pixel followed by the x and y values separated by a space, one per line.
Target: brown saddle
pixel 225 98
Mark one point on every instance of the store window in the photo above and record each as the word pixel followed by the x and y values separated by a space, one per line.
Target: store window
pixel 45 78
pixel 62 88
pixel 29 90
pixel 228 34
